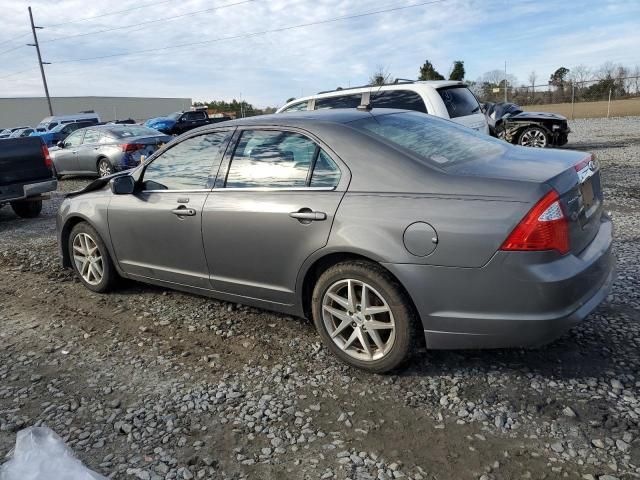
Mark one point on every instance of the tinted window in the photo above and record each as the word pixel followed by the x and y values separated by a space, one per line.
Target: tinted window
pixel 325 172
pixel 297 107
pixel 342 101
pixel 459 101
pixel 91 137
pixel 186 166
pixel 67 129
pixel 401 99
pixel 74 139
pixel 270 159
pixel 133 131
pixel 439 142
pixel 195 116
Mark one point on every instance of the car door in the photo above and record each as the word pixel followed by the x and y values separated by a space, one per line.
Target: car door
pixel 65 159
pixel 157 231
pixel 87 156
pixel 272 209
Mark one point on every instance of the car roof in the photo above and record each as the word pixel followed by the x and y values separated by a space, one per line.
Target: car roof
pixel 309 117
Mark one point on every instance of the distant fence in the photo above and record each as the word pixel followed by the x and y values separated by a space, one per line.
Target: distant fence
pixel 592 98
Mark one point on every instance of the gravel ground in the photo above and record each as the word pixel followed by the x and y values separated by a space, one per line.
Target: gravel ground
pixel 148 383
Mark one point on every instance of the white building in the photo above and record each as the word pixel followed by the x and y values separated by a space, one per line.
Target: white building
pixel 15 112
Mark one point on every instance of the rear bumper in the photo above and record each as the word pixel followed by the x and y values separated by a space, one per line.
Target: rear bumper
pixel 519 299
pixel 10 193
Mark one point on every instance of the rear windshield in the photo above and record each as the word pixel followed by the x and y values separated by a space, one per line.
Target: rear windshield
pixel 440 143
pixel 459 101
pixel 133 131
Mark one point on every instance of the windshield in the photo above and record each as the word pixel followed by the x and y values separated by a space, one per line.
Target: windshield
pixel 440 143
pixel 459 101
pixel 175 115
pixel 133 131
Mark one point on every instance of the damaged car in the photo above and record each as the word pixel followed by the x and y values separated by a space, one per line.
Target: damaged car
pixel 509 122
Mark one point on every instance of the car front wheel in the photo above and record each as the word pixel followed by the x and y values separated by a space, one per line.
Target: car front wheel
pixel 90 258
pixel 534 137
pixel 363 316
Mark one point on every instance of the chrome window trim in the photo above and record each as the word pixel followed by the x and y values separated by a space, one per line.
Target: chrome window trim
pixel 247 189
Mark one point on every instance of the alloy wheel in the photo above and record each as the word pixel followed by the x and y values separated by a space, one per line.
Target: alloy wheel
pixel 104 169
pixel 534 138
pixel 87 258
pixel 358 319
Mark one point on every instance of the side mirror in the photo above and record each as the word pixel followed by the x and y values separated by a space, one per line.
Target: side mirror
pixel 60 144
pixel 123 185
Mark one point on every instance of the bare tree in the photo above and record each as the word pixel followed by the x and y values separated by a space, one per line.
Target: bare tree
pixel 380 76
pixel 636 78
pixel 532 80
pixel 580 74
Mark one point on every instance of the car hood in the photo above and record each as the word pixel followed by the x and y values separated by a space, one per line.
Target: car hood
pixel 155 121
pixel 537 116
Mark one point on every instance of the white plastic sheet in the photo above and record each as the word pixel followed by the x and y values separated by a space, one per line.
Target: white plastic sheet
pixel 40 454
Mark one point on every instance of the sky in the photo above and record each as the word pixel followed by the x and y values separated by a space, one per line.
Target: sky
pixel 265 51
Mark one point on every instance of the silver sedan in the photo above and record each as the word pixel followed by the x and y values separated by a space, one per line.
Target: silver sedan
pixel 105 149
pixel 388 228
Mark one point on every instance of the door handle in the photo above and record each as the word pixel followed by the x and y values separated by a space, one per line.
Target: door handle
pixel 307 215
pixel 183 211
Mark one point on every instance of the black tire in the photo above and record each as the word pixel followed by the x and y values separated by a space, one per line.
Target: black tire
pixel 110 275
pixel 531 133
pixel 388 287
pixel 27 208
pixel 105 166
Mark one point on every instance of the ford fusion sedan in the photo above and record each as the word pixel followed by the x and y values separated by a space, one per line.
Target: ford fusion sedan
pixel 104 149
pixel 388 228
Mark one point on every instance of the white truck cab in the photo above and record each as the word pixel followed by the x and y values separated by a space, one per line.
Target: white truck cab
pixel 446 99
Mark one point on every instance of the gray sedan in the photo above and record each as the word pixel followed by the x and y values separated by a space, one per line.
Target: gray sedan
pixel 388 228
pixel 104 149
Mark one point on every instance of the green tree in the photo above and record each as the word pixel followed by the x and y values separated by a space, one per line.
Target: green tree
pixel 457 73
pixel 427 72
pixel 558 78
pixel 380 77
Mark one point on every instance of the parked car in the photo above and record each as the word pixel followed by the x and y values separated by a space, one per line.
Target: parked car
pixel 445 99
pixel 25 175
pixel 104 149
pixel 49 123
pixel 21 132
pixel 5 133
pixel 472 242
pixel 529 129
pixel 180 122
pixel 60 132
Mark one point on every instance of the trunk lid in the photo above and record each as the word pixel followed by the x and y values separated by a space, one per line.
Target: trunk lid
pixel 574 175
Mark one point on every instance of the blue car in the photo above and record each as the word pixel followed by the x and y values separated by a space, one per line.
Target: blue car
pixel 60 132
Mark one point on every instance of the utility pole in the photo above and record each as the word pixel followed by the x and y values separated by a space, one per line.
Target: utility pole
pixel 505 82
pixel 40 62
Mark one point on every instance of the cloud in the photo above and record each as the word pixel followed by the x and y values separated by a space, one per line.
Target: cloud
pixel 268 68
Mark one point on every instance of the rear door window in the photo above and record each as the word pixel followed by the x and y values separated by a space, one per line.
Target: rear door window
pixel 91 137
pixel 271 159
pixel 341 101
pixel 325 172
pixel 400 99
pixel 459 101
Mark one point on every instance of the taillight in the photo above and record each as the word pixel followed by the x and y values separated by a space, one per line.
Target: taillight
pixel 131 147
pixel 47 158
pixel 545 227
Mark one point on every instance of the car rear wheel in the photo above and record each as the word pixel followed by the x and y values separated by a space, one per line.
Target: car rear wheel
pixel 27 208
pixel 534 137
pixel 90 258
pixel 363 316
pixel 104 167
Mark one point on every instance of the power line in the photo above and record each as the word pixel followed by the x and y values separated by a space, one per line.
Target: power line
pixel 18 73
pixel 254 34
pixel 145 5
pixel 12 49
pixel 159 20
pixel 14 39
